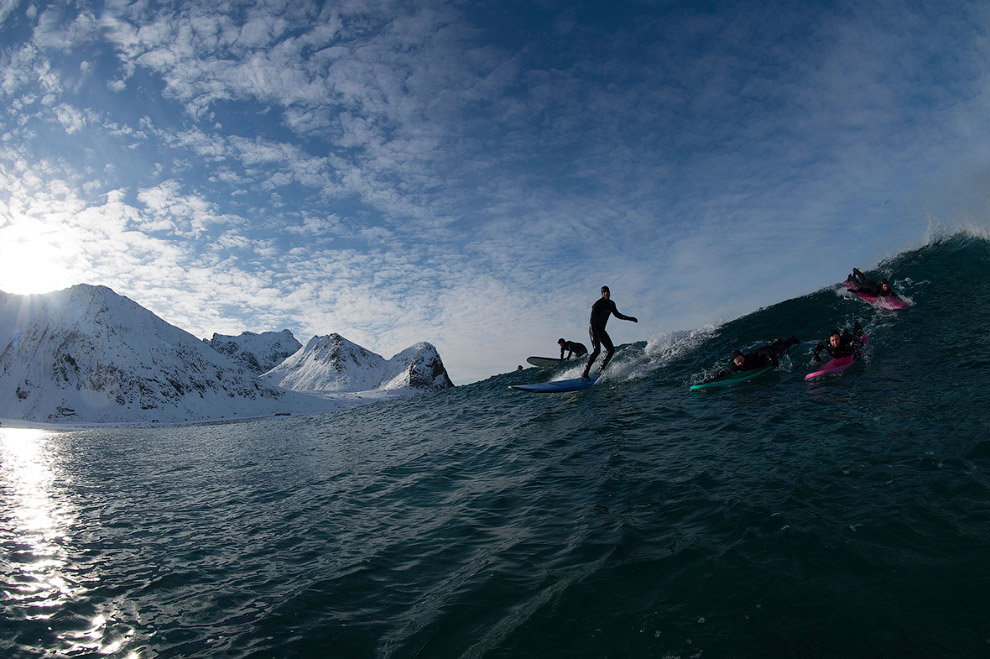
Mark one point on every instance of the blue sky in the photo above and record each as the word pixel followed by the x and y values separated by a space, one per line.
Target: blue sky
pixel 470 173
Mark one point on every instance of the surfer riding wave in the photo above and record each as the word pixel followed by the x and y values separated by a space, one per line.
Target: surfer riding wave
pixel 600 311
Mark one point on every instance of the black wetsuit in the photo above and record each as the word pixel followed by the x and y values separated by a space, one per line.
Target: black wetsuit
pixel 573 348
pixel 864 284
pixel 600 311
pixel 848 347
pixel 767 355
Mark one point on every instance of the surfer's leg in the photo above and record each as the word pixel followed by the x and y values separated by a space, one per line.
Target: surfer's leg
pixel 609 350
pixel 596 348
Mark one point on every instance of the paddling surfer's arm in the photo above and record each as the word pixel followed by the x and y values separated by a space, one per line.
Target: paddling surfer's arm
pixel 818 348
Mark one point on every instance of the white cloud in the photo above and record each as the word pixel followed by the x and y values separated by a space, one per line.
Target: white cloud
pixel 7 7
pixel 70 118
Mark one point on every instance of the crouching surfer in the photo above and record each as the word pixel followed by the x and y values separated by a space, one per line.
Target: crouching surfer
pixel 600 311
pixel 572 348
pixel 769 354
pixel 841 344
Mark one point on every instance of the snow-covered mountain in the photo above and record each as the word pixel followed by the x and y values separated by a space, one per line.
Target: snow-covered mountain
pixel 89 355
pixel 332 363
pixel 256 352
pixel 86 354
pixel 419 367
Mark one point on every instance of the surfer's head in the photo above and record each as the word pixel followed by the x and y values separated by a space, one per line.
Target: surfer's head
pixel 737 357
pixel 561 341
pixel 835 337
pixel 884 285
pixel 605 291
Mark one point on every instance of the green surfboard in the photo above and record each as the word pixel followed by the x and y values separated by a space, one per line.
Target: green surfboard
pixel 728 382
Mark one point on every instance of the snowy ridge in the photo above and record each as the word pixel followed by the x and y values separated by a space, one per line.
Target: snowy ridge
pixel 332 363
pixel 329 363
pixel 420 367
pixel 256 352
pixel 88 355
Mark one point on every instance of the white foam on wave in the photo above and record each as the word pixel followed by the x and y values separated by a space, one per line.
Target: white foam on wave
pixel 664 348
pixel 632 363
pixel 943 229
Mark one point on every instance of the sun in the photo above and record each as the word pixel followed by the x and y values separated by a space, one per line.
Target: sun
pixel 29 266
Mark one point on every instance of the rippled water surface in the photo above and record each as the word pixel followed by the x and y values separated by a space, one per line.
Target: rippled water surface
pixel 848 517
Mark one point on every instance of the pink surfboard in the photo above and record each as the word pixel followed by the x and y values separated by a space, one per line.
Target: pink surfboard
pixel 883 302
pixel 879 301
pixel 837 365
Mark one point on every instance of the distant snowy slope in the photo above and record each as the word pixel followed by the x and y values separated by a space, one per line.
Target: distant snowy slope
pixel 256 352
pixel 418 367
pixel 332 363
pixel 329 363
pixel 87 354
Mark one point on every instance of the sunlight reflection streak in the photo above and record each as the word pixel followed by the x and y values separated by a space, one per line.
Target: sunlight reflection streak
pixel 38 580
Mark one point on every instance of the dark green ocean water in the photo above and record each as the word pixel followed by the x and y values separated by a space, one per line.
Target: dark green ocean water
pixel 845 518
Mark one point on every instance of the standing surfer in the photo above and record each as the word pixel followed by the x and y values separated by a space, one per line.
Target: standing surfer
pixel 600 311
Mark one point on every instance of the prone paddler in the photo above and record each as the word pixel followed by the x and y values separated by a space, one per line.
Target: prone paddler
pixel 840 344
pixel 860 283
pixel 768 355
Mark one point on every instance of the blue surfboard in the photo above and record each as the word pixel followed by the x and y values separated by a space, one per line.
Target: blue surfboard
pixel 557 386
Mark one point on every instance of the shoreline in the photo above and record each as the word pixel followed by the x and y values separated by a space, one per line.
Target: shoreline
pixel 346 401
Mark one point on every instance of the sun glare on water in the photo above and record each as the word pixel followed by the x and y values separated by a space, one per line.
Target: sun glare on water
pixel 45 574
